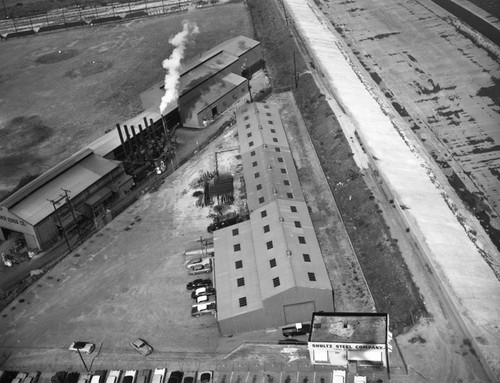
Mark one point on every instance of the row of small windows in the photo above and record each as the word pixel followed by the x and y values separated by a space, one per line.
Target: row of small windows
pixel 252 153
pixel 272 262
pixel 269 244
pixel 263 214
pixel 257 174
pixel 280 159
pixel 276 282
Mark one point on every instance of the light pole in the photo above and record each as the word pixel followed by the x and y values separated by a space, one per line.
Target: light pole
pixel 83 360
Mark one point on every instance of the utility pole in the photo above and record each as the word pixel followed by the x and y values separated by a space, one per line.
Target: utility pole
pixel 66 194
pixel 54 204
pixel 295 70
pixel 83 361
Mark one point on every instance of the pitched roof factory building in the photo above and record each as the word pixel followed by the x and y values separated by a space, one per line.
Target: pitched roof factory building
pixel 269 271
pixel 213 82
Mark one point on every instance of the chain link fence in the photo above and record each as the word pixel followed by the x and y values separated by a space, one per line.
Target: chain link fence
pixel 81 16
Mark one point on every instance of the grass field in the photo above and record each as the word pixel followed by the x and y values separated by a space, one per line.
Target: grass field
pixel 60 91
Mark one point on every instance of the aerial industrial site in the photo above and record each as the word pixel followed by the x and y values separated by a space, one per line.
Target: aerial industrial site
pixel 266 190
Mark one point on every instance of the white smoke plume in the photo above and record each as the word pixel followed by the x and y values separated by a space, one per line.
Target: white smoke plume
pixel 173 63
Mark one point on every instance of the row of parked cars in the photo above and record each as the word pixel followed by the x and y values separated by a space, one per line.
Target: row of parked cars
pixel 19 377
pixel 203 295
pixel 159 375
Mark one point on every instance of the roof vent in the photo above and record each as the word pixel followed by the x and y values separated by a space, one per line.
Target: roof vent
pixel 269 167
pixel 288 253
pixel 282 219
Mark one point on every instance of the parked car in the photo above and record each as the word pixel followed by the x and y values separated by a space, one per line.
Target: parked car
pixel 129 376
pixel 84 378
pixel 199 261
pixel 199 283
pixel 203 308
pixel 200 269
pixel 189 377
pixel 59 377
pixel 113 376
pixel 159 375
pixel 143 376
pixel 200 249
pixel 296 329
pixel 205 299
pixel 7 376
pixel 34 376
pixel 202 291
pixel 141 346
pixel 205 377
pixel 226 220
pixel 175 377
pixel 98 377
pixel 19 377
pixel 83 347
pixel 71 377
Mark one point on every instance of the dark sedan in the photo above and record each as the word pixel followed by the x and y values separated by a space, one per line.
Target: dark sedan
pixel 199 283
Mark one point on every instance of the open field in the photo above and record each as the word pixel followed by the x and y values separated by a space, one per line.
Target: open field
pixel 60 91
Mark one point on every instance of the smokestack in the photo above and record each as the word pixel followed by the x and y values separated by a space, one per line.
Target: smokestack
pixel 130 149
pixel 124 147
pixel 173 63
pixel 134 145
pixel 140 137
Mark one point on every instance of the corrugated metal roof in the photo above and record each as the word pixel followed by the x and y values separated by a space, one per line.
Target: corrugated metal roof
pixel 279 242
pixel 36 207
pixel 227 274
pixel 197 75
pixel 111 140
pixel 268 169
pixel 263 122
pixel 45 178
pixel 237 46
pixel 205 95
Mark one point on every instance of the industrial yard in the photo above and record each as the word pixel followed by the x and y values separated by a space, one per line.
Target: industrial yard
pixel 129 279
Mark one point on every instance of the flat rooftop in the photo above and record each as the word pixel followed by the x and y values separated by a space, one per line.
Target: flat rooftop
pixel 349 328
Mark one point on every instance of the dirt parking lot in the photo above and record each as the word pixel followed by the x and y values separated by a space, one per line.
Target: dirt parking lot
pixel 128 281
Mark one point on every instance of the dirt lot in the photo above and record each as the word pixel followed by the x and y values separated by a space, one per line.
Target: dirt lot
pixel 129 280
pixel 60 91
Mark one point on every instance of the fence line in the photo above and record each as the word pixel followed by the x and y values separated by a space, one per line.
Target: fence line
pixel 64 18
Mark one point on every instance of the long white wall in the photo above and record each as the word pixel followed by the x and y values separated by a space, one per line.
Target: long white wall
pixel 470 281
